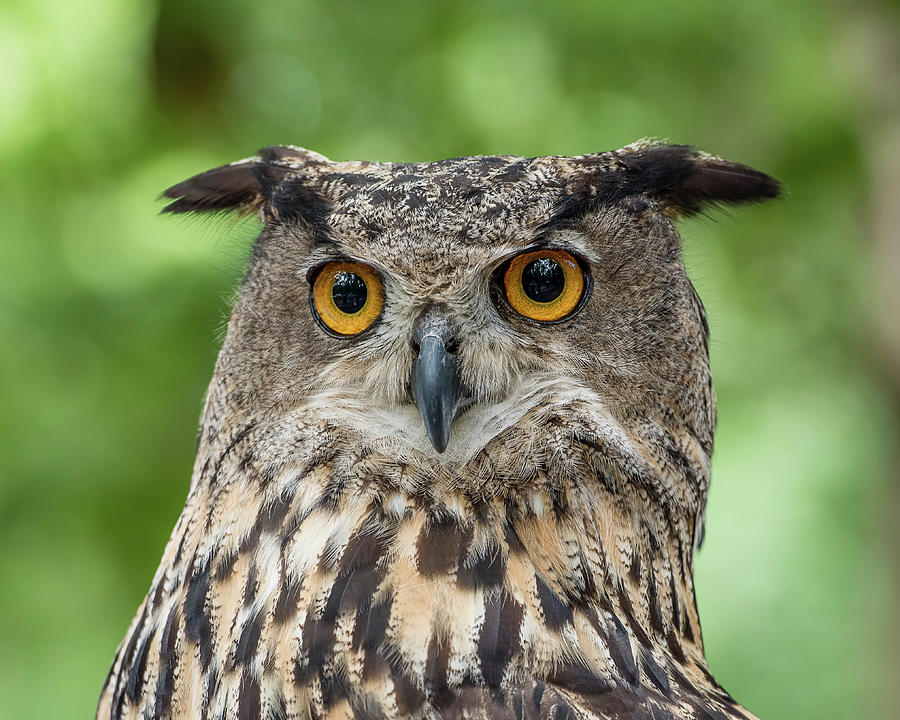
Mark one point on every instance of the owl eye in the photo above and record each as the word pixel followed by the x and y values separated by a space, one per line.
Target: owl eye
pixel 347 297
pixel 544 285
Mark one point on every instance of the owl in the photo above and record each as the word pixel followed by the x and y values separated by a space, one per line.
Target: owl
pixel 454 457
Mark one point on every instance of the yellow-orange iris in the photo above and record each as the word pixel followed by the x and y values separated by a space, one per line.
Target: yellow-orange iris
pixel 561 272
pixel 348 297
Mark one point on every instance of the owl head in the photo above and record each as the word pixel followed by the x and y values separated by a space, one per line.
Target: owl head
pixel 496 313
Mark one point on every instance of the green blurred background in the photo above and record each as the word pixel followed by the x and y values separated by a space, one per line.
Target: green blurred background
pixel 110 315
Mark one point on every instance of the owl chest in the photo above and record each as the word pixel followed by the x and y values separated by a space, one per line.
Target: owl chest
pixel 392 614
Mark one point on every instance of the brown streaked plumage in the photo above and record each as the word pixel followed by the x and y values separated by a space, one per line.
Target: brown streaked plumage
pixel 458 512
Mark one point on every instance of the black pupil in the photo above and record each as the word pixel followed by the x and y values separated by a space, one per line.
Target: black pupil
pixel 349 292
pixel 543 280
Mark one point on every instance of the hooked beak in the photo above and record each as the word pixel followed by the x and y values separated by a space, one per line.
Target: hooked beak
pixel 436 385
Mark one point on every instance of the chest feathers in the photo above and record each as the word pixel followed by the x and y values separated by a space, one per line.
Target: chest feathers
pixel 303 592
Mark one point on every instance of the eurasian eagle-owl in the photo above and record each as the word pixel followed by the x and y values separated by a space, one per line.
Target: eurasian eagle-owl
pixel 454 457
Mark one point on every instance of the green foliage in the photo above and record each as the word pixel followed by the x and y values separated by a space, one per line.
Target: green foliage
pixel 110 315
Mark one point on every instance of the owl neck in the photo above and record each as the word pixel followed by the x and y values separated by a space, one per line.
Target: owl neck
pixel 580 554
pixel 570 534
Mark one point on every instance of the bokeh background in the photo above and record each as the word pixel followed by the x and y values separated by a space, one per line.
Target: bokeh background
pixel 110 315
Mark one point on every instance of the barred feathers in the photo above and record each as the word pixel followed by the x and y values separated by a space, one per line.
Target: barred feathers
pixel 328 590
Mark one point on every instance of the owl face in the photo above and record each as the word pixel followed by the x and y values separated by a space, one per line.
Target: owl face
pixel 437 308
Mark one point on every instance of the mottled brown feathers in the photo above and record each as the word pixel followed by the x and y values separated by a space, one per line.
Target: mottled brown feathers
pixel 331 563
pixel 682 178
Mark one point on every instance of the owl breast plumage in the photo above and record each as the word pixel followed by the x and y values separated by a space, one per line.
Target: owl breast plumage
pixel 454 456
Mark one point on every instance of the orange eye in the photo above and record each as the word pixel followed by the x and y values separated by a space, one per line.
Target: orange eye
pixel 347 297
pixel 544 285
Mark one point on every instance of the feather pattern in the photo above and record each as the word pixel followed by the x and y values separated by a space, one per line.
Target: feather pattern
pixel 296 590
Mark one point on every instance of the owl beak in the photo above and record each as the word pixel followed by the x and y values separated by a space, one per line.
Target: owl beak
pixel 437 389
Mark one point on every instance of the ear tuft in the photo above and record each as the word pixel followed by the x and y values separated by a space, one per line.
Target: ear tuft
pixel 230 187
pixel 243 186
pixel 687 181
